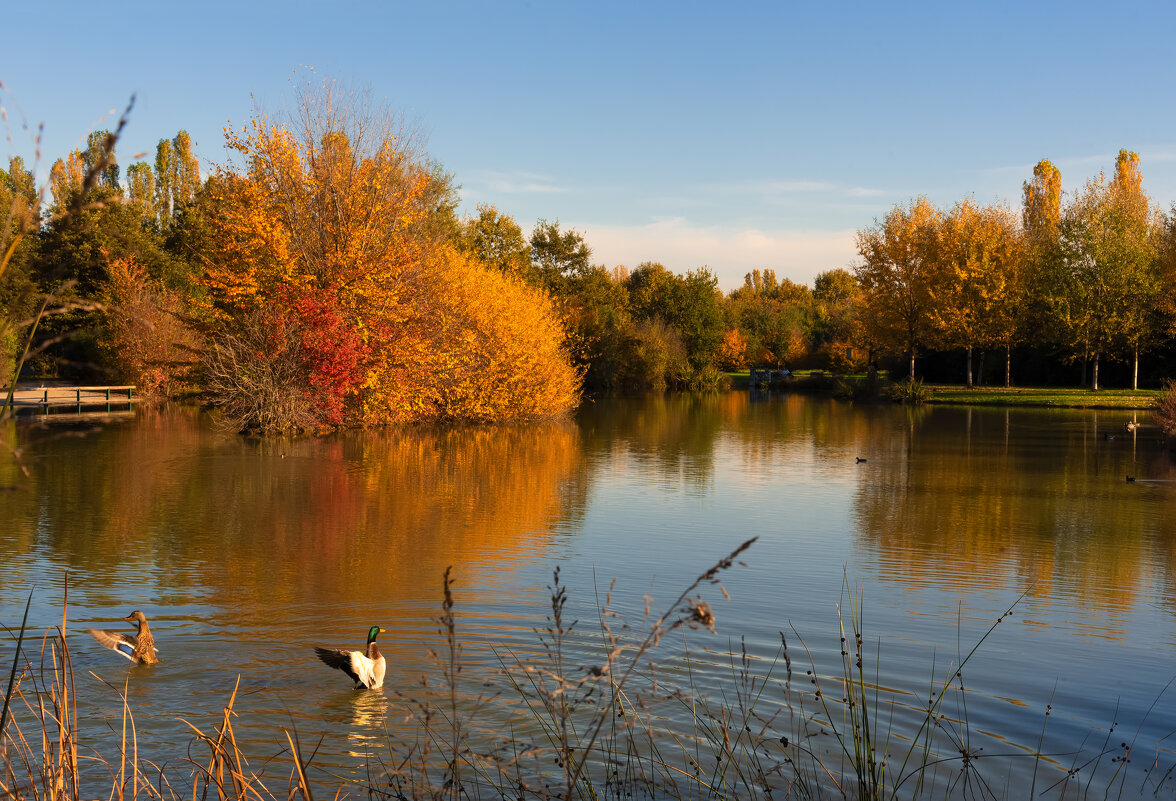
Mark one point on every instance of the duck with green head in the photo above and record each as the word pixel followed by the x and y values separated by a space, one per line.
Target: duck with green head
pixel 366 668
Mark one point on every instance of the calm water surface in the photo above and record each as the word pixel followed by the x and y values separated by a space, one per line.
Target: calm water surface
pixel 244 555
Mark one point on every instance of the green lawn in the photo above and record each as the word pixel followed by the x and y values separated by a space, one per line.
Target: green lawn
pixel 1056 397
pixel 1069 397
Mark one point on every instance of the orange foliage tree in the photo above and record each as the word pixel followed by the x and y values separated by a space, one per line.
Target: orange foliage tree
pixel 149 340
pixel 733 351
pixel 327 221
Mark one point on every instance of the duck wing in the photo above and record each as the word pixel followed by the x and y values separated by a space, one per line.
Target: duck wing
pixel 116 641
pixel 363 671
pixel 341 660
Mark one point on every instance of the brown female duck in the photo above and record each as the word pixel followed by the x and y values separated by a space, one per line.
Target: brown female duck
pixel 139 648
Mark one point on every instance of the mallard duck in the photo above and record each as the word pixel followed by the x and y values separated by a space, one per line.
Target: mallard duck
pixel 139 648
pixel 366 669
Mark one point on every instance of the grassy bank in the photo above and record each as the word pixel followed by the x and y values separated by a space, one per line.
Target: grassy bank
pixel 1058 397
pixel 593 717
pixel 818 382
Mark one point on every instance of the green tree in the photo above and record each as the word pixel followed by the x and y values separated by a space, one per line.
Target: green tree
pixel 691 305
pixel 496 240
pixel 557 255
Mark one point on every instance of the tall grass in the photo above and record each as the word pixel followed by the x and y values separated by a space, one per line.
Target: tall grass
pixel 610 709
pixel 40 758
pixel 1164 410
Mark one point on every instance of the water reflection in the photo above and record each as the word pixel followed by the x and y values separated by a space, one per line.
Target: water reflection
pixel 1033 499
pixel 247 554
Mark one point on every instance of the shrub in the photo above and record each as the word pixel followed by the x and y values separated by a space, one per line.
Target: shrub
pixel 911 392
pixel 1165 407
pixel 147 340
pixel 709 379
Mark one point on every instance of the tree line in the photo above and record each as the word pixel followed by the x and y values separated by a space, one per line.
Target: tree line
pixel 324 277
pixel 1085 278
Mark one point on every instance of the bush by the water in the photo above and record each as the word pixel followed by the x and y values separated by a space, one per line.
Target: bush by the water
pixel 910 392
pixel 1165 408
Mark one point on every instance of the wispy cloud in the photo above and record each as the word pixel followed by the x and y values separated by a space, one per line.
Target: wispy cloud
pixel 792 191
pixel 515 183
pixel 730 252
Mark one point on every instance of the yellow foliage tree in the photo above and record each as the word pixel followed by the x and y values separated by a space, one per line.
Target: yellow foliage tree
pixel 898 264
pixel 975 291
pixel 330 213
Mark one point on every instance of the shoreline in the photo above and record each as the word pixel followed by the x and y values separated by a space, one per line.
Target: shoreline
pixel 958 395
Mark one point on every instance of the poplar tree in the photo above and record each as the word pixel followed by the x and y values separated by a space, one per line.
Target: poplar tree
pixel 141 188
pixel 1108 282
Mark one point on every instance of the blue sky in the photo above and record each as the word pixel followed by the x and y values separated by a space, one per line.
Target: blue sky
pixel 730 136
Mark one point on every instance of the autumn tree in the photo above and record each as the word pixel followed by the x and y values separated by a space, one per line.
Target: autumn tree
pixel 899 256
pixel 333 211
pixel 1138 229
pixel 733 351
pixel 19 205
pixel 975 289
pixel 99 159
pixel 1167 269
pixel 141 188
pixel 147 340
pixel 835 326
pixel 176 176
pixel 774 315
pixel 1055 303
pixel 1106 281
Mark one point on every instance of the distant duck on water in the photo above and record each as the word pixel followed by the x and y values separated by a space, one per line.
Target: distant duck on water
pixel 1130 426
pixel 366 668
pixel 139 648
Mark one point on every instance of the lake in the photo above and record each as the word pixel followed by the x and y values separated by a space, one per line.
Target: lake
pixel 246 554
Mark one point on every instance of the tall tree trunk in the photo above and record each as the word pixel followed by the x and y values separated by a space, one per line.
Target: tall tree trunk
pixel 1094 372
pixel 1135 371
pixel 969 367
pixel 911 376
pixel 1008 366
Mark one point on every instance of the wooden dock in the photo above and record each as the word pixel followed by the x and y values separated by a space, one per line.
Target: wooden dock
pixel 48 398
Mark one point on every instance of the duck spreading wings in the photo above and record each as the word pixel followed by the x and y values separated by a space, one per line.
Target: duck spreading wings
pixel 139 648
pixel 366 668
